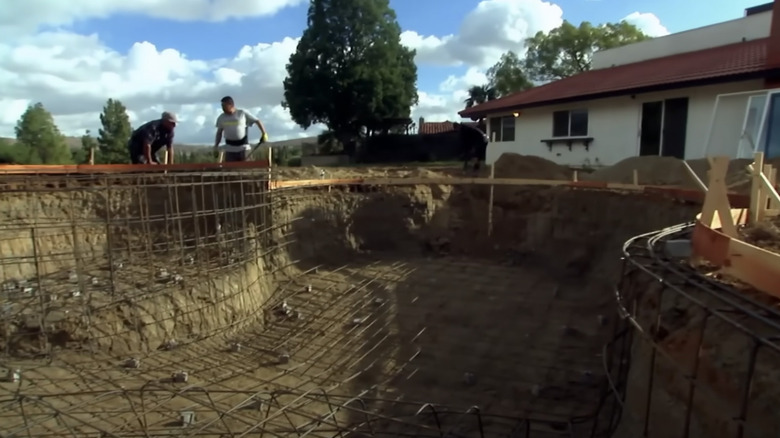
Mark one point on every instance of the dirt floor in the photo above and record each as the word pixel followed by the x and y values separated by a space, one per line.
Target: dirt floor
pixel 328 311
pixel 445 331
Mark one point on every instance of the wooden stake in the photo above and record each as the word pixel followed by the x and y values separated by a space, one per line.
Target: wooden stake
pixel 771 175
pixel 574 177
pixel 756 199
pixel 92 155
pixel 636 177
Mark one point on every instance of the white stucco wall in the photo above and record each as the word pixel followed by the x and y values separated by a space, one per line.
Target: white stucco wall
pixel 720 34
pixel 614 125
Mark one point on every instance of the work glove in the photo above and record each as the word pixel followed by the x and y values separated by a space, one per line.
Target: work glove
pixel 264 138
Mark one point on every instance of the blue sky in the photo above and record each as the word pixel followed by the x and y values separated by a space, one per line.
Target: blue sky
pixel 73 56
pixel 211 40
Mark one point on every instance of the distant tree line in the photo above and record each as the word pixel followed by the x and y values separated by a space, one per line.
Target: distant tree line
pixel 39 140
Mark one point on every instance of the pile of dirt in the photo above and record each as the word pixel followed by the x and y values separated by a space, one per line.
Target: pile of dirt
pixel 511 165
pixel 669 171
pixel 653 170
pixel 738 178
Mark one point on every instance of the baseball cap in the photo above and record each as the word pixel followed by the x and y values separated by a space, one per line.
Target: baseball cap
pixel 169 117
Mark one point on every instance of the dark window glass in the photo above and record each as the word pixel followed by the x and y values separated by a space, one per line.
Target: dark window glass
pixel 579 123
pixel 561 124
pixel 508 129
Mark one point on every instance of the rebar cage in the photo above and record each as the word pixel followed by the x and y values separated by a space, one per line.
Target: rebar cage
pixel 704 348
pixel 91 264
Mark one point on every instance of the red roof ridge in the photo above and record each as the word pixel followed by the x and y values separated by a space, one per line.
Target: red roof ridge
pixel 716 62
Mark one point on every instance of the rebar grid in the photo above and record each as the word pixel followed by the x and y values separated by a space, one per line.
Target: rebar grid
pixel 79 246
pixel 705 346
pixel 365 349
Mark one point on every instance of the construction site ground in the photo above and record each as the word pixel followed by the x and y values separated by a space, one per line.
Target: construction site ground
pixel 362 308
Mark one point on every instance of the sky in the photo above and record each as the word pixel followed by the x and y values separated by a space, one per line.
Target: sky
pixel 184 55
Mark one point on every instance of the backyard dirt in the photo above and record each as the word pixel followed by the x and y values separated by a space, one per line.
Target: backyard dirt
pixel 414 303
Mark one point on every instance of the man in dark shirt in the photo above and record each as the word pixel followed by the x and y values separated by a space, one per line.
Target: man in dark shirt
pixel 473 143
pixel 150 138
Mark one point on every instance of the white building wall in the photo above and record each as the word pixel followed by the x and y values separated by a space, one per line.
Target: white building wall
pixel 614 125
pixel 743 29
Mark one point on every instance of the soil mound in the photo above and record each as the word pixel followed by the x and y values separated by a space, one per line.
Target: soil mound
pixel 511 165
pixel 737 179
pixel 653 170
pixel 668 171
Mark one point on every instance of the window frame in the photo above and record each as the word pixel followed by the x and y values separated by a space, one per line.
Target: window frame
pixel 504 127
pixel 557 117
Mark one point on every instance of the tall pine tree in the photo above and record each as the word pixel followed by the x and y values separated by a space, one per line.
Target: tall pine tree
pixel 114 135
pixel 38 140
pixel 350 68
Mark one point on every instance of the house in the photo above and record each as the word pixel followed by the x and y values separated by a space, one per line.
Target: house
pixel 656 97
pixel 433 128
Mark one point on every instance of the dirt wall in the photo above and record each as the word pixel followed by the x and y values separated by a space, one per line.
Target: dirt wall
pixel 715 354
pixel 129 267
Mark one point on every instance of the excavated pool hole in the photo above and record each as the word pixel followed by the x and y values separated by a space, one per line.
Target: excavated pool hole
pixel 342 335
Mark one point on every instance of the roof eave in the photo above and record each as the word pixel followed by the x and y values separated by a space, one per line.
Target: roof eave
pixel 759 74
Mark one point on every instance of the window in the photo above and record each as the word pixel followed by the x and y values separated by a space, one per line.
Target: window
pixel 572 123
pixel 502 128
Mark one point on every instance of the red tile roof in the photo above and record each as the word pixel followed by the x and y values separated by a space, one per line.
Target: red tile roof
pixel 716 64
pixel 438 127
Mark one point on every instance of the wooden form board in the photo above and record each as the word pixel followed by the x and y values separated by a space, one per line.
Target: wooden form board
pixel 454 181
pixel 687 195
pixel 75 169
pixel 715 236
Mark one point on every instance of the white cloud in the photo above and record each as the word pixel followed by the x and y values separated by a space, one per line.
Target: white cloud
pixel 29 15
pixel 648 23
pixel 492 28
pixel 74 74
pixel 473 76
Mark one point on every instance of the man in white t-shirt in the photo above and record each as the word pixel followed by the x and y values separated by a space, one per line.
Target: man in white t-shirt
pixel 234 125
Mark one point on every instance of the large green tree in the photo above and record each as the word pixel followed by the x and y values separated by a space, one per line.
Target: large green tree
pixel 568 49
pixel 114 135
pixel 350 68
pixel 38 140
pixel 507 76
pixel 9 153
